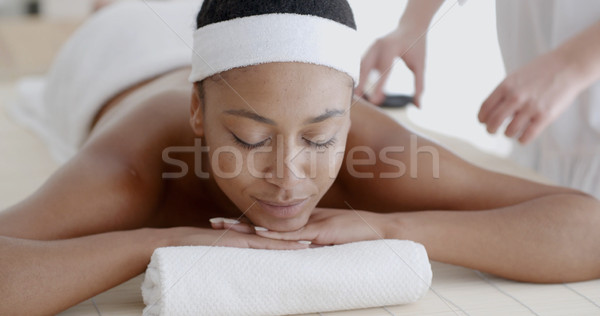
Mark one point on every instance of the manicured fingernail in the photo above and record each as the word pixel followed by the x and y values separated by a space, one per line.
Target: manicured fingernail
pixel 305 242
pixel 260 229
pixel 231 221
pixel 216 220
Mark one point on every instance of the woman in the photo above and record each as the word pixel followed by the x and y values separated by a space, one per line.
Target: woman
pixel 290 155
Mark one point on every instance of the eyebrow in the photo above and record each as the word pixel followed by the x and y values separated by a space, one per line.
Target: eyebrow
pixel 251 115
pixel 324 116
pixel 261 119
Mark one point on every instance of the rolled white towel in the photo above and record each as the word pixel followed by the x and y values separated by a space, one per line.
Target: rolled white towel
pixel 202 280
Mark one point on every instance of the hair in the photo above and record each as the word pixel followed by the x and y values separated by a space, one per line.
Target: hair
pixel 214 11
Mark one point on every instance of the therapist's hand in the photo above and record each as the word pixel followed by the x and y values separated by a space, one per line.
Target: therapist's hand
pixel 408 43
pixel 531 97
pixel 337 226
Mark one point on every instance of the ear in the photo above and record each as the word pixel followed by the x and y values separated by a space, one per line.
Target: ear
pixel 196 114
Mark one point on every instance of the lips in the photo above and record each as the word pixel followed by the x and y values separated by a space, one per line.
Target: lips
pixel 279 209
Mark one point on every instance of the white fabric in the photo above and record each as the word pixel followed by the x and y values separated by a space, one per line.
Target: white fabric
pixel 568 151
pixel 121 45
pixel 234 281
pixel 274 38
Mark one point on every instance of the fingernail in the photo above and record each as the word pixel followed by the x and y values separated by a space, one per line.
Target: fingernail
pixel 216 220
pixel 260 229
pixel 305 242
pixel 231 221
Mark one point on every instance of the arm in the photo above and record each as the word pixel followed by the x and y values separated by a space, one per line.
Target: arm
pixel 71 239
pixel 583 51
pixel 407 42
pixel 536 94
pixel 418 14
pixel 550 239
pixel 46 277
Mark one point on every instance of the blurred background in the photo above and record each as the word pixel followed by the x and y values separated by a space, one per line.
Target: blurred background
pixel 463 62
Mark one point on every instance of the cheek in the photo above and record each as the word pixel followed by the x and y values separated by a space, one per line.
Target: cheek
pixel 229 173
pixel 339 151
pixel 326 166
pixel 227 161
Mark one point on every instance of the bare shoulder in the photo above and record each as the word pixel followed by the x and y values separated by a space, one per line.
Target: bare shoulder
pixel 388 167
pixel 144 121
pixel 139 129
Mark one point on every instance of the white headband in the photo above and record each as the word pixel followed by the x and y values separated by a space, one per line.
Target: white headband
pixel 278 37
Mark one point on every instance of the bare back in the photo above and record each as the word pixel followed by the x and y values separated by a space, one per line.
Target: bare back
pixel 118 173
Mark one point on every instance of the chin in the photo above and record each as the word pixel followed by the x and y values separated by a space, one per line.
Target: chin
pixel 281 217
pixel 279 224
pixel 285 225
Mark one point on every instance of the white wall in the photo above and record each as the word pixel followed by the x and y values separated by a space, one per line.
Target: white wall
pixel 66 9
pixel 463 66
pixel 12 7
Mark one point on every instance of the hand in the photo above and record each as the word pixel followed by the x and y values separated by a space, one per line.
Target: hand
pixel 336 226
pixel 406 43
pixel 192 236
pixel 533 97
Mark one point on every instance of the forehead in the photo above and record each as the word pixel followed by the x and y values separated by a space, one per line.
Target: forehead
pixel 280 88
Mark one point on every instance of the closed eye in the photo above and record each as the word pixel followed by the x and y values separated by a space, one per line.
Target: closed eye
pixel 249 146
pixel 322 145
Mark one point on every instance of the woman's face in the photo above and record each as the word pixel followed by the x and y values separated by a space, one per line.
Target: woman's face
pixel 276 134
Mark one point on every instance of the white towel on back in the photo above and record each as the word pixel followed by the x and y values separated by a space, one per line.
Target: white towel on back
pixel 118 47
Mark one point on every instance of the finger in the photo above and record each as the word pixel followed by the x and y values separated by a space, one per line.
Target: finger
pixel 217 222
pixel 384 66
pixel 275 244
pixel 228 223
pixel 519 122
pixel 366 66
pixel 499 115
pixel 377 96
pixel 537 125
pixel 419 79
pixel 300 234
pixel 417 66
pixel 240 228
pixel 317 245
pixel 496 97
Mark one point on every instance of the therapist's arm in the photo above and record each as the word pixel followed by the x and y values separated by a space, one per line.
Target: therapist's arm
pixel 583 50
pixel 536 94
pixel 408 42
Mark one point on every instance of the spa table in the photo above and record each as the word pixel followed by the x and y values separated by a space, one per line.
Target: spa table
pixel 25 164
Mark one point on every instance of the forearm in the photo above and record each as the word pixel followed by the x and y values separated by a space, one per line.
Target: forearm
pixel 45 277
pixel 418 13
pixel 581 54
pixel 549 239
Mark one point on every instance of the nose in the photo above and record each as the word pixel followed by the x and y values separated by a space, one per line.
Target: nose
pixel 287 168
